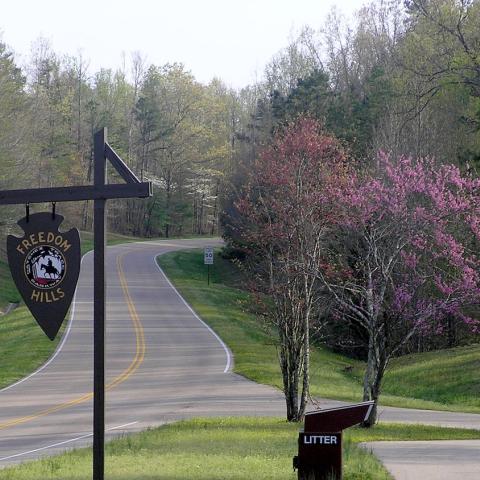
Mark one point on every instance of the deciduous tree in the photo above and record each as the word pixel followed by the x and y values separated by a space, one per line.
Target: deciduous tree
pixel 285 217
pixel 403 256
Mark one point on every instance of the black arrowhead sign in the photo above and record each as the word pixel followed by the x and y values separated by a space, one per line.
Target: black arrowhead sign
pixel 45 265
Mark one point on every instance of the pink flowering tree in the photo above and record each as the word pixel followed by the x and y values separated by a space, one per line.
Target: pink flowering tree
pixel 285 212
pixel 403 256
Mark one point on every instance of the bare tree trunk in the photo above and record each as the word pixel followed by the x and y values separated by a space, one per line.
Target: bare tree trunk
pixel 200 214
pixel 451 331
pixel 306 370
pixel 194 215
pixel 377 363
pixel 215 213
pixel 85 222
pixel 367 381
pixel 168 206
pixel 85 219
pixel 292 363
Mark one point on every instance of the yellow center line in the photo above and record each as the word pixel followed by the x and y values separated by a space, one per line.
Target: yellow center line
pixel 136 362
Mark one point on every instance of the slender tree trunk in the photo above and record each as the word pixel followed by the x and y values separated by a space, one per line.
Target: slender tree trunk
pixel 194 215
pixel 85 219
pixel 375 391
pixel 200 215
pixel 292 395
pixel 148 218
pixel 167 207
pixel 290 375
pixel 368 381
pixel 306 369
pixel 292 365
pixel 377 364
pixel 215 213
pixel 451 331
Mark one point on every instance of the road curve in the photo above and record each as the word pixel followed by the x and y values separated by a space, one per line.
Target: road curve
pixel 163 364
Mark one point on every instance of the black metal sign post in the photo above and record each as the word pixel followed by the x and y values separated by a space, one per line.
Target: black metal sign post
pixel 99 308
pixel 99 192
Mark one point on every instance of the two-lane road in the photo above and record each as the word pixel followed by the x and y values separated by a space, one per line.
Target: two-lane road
pixel 163 363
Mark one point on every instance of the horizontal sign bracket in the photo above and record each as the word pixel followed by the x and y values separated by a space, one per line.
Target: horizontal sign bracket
pixel 133 188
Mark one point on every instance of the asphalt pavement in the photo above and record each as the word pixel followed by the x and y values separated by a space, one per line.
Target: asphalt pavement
pixel 432 460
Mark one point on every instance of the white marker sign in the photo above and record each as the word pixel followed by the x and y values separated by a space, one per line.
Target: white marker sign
pixel 208 256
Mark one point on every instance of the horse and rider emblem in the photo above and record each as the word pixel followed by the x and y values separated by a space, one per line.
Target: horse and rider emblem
pixel 45 264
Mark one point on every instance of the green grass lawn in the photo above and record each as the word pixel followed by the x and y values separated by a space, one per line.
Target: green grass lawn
pixel 442 380
pixel 451 377
pixel 8 291
pixel 24 346
pixel 221 449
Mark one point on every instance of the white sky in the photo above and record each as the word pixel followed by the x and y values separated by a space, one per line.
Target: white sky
pixel 229 39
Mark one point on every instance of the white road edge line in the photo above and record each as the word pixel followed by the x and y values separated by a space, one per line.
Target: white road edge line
pixel 60 346
pixel 222 343
pixel 65 442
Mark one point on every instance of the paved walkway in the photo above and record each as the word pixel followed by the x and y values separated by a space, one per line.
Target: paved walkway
pixel 427 460
pixel 432 460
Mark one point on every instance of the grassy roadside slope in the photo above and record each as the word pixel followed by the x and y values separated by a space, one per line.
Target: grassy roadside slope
pixel 442 380
pixel 221 449
pixel 8 291
pixel 451 377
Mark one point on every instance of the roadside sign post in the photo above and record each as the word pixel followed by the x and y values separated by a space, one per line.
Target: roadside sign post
pixel 208 260
pixel 99 192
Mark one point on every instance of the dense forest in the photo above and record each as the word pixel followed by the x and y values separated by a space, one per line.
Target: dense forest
pixel 403 77
pixel 170 129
